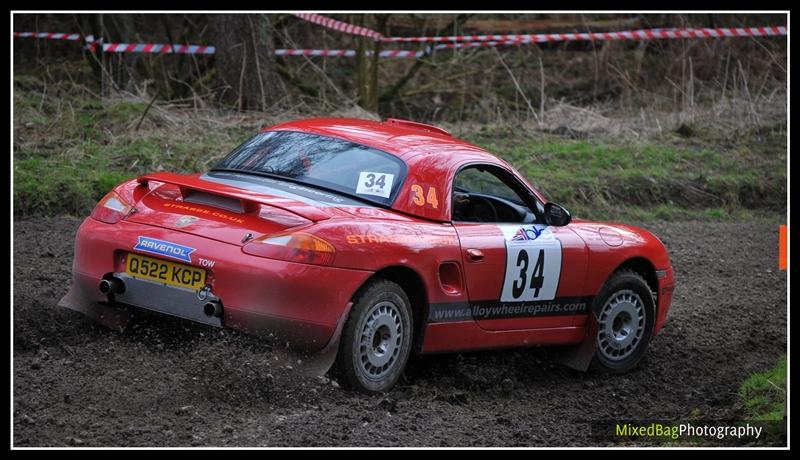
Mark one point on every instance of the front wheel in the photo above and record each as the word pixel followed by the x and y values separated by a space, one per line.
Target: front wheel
pixel 376 340
pixel 625 312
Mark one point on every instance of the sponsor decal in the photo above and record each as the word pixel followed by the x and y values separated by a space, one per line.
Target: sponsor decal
pixel 399 239
pixel 373 239
pixel 493 309
pixel 207 263
pixel 164 248
pixel 522 234
pixel 527 234
pixel 183 221
pixel 203 212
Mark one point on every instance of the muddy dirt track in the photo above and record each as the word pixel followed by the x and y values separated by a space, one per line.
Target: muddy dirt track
pixel 169 383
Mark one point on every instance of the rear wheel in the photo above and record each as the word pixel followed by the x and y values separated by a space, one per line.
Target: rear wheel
pixel 376 340
pixel 625 312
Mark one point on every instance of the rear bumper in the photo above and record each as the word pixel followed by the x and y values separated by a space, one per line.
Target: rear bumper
pixel 169 300
pixel 299 303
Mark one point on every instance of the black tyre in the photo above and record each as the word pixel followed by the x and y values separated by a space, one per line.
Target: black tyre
pixel 625 312
pixel 376 340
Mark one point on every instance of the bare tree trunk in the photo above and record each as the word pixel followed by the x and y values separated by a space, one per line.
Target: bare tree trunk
pixel 106 64
pixel 120 28
pixel 88 24
pixel 367 74
pixel 382 20
pixel 245 60
pixel 362 65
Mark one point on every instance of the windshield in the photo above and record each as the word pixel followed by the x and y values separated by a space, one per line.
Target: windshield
pixel 334 164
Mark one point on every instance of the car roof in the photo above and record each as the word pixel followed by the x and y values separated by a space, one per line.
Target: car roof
pixel 401 138
pixel 432 155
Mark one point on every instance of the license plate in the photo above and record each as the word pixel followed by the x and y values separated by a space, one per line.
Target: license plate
pixel 163 271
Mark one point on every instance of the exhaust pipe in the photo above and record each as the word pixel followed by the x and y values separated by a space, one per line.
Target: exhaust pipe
pixel 111 286
pixel 213 308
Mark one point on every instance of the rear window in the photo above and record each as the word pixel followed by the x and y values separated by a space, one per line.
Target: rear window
pixel 321 161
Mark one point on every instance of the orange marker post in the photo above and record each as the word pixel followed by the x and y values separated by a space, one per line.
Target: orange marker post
pixel 782 248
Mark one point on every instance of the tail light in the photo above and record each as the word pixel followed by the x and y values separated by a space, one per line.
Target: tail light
pixel 111 209
pixel 294 247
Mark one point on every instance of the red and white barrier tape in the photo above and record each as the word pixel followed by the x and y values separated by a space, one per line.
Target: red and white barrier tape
pixel 48 35
pixel 340 26
pixel 161 48
pixel 91 43
pixel 348 53
pixel 644 34
pixel 449 42
pixel 157 48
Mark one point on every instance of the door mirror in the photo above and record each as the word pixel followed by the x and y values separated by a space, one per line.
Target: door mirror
pixel 556 215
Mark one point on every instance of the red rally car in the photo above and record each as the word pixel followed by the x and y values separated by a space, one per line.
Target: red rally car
pixel 371 240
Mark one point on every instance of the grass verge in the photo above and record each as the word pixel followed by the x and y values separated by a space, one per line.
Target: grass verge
pixel 706 176
pixel 764 393
pixel 762 397
pixel 71 149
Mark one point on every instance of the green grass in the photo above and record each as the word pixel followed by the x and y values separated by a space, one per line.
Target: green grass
pixel 51 181
pixel 764 393
pixel 660 178
pixel 69 150
pixel 45 187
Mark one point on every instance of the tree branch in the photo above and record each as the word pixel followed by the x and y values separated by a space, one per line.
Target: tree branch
pixel 284 72
pixel 392 92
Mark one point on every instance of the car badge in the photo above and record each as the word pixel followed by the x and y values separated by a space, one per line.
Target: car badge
pixel 183 221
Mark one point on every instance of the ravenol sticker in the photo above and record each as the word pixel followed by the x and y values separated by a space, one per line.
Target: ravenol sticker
pixel 164 248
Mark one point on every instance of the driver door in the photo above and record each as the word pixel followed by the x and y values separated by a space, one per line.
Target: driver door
pixel 520 273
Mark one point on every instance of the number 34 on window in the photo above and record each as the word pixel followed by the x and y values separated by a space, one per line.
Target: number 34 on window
pixel 420 198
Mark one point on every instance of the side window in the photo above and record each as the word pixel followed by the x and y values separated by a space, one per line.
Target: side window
pixel 485 193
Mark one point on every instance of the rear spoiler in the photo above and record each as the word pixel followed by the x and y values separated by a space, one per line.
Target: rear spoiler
pixel 416 125
pixel 250 201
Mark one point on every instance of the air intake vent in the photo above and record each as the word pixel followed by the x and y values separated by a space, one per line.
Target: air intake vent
pixel 217 201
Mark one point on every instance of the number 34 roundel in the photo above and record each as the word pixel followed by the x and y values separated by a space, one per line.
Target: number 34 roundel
pixel 533 263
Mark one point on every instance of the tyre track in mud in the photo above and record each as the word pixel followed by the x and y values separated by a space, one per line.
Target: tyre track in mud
pixel 169 383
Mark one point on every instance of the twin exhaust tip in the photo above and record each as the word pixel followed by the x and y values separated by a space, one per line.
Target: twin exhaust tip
pixel 110 286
